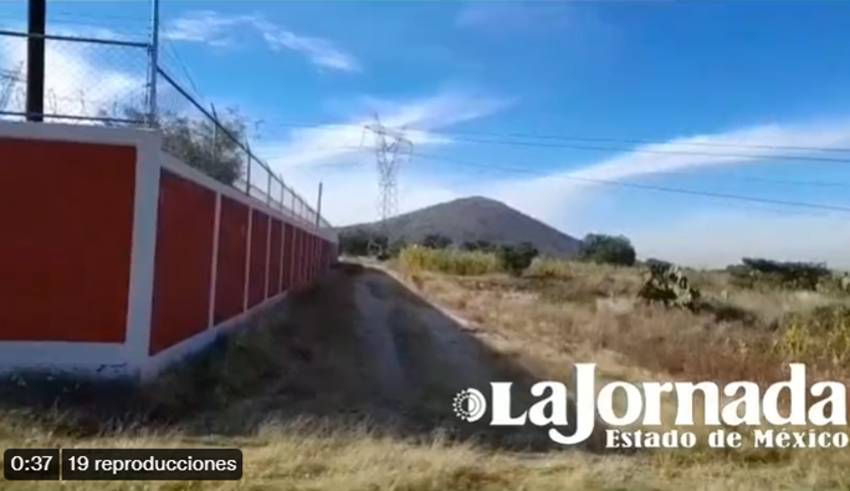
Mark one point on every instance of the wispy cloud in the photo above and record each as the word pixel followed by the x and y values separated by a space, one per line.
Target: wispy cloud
pixel 330 143
pixel 554 194
pixel 739 146
pixel 215 29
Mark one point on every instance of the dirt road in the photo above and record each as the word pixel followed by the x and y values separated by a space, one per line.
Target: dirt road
pixel 359 346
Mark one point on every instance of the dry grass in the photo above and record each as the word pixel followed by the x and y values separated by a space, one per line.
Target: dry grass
pixel 307 455
pixel 452 261
pixel 557 315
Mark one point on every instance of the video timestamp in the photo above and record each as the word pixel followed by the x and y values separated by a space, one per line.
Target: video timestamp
pixel 30 464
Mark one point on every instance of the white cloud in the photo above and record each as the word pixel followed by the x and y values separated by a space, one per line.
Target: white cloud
pixel 332 143
pixel 754 144
pixel 215 29
pixel 557 195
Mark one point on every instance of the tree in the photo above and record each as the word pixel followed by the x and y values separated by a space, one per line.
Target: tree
pixel 355 242
pixel 436 241
pixel 200 143
pixel 478 245
pixel 397 246
pixel 600 248
pixel 515 259
pixel 802 275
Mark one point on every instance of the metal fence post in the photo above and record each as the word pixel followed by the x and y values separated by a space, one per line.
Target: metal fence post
pixel 269 188
pixel 153 60
pixel 35 60
pixel 319 206
pixel 248 172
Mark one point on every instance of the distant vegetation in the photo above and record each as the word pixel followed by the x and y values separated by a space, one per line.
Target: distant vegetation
pixel 452 261
pixel 356 242
pixel 607 249
pixel 516 259
pixel 436 241
pixel 756 272
pixel 509 259
pixel 478 245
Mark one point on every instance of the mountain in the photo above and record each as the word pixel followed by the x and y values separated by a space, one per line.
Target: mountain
pixel 473 219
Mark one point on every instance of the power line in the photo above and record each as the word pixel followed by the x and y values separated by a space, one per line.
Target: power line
pixel 649 187
pixel 642 141
pixel 171 52
pixel 805 158
pixel 499 138
pixel 742 177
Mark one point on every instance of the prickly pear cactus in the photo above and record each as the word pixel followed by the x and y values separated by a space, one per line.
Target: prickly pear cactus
pixel 668 284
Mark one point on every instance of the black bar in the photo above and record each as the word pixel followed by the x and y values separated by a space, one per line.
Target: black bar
pixel 56 37
pixel 31 464
pixel 35 59
pixel 183 464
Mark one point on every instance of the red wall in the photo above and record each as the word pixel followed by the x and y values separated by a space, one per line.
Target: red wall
pixel 275 252
pixel 182 270
pixel 299 258
pixel 66 215
pixel 259 251
pixel 66 244
pixel 230 264
pixel 288 256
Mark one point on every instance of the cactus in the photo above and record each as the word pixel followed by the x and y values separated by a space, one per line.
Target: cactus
pixel 667 284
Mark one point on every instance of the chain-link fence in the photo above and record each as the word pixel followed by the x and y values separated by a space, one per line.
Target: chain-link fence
pixel 216 143
pixel 85 79
pixel 107 82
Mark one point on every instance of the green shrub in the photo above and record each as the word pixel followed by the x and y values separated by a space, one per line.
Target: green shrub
pixel 608 249
pixel 515 259
pixel 755 272
pixel 361 242
pixel 436 241
pixel 479 245
pixel 453 261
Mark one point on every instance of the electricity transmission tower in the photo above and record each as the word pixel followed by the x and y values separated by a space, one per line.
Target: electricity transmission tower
pixel 391 147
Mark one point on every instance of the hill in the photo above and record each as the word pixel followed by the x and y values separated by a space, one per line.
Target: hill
pixel 473 219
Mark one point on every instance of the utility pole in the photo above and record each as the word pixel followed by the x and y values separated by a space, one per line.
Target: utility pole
pixel 153 63
pixel 35 59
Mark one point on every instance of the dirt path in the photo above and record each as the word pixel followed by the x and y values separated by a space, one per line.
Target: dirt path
pixel 361 346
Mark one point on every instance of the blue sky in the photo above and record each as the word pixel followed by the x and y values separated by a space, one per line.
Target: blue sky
pixel 728 81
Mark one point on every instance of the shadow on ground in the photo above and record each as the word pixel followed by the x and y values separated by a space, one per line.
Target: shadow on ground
pixel 356 348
